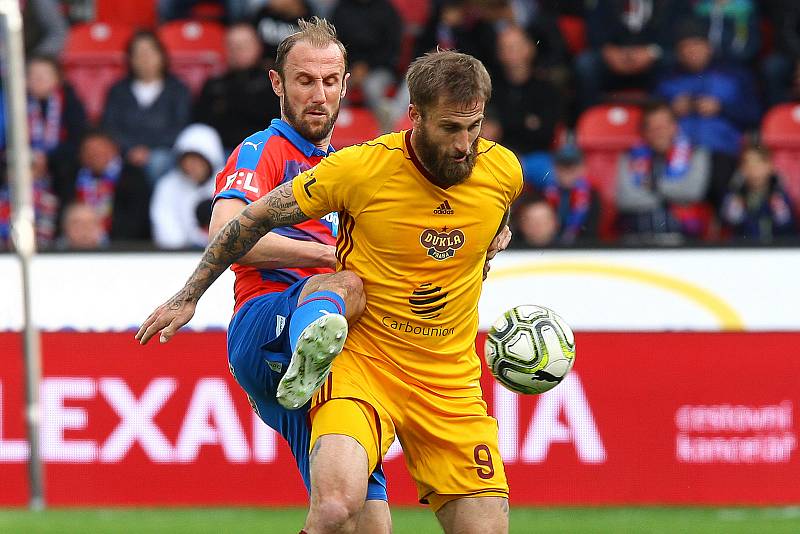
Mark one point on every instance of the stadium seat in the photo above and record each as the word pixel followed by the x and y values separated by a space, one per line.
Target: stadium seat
pixel 196 50
pixel 608 127
pixel 93 59
pixel 780 127
pixel 603 133
pixel 355 125
pixel 573 29
pixel 780 132
pixel 139 14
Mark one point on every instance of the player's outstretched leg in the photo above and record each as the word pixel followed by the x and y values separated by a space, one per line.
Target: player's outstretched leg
pixel 317 332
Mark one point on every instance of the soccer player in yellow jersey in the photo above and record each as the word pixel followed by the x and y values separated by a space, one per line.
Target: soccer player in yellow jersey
pixel 418 211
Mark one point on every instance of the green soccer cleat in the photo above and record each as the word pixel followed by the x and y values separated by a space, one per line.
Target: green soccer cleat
pixel 319 343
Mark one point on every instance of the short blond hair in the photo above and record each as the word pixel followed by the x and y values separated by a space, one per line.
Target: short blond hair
pixel 456 77
pixel 316 31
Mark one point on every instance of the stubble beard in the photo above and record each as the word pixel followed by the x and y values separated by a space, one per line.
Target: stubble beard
pixel 314 134
pixel 444 171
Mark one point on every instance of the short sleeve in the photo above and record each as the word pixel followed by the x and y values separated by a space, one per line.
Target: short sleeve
pixel 334 184
pixel 510 175
pixel 249 174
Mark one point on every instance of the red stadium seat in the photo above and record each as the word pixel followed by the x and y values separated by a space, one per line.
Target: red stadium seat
pixel 603 133
pixel 141 13
pixel 780 132
pixel 608 127
pixel 355 125
pixel 780 128
pixel 573 29
pixel 196 50
pixel 93 59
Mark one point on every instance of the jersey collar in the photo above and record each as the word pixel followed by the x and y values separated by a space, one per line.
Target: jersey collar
pixel 301 143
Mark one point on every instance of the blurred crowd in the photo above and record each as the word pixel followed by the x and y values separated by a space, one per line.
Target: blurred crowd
pixel 702 73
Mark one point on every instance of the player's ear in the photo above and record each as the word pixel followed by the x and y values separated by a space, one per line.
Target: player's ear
pixel 415 115
pixel 344 84
pixel 277 83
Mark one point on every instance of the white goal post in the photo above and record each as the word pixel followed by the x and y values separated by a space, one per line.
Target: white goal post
pixel 22 224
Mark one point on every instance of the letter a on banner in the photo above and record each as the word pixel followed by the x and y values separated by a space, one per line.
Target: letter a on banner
pixel 580 428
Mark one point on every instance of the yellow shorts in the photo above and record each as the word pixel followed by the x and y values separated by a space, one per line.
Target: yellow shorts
pixel 449 443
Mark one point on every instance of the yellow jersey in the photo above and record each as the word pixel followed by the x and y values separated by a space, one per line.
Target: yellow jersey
pixel 419 249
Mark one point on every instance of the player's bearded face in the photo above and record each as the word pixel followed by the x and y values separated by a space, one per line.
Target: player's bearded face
pixel 311 89
pixel 314 121
pixel 449 160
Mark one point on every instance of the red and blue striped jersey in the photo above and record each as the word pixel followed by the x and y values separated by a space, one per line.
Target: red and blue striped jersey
pixel 258 165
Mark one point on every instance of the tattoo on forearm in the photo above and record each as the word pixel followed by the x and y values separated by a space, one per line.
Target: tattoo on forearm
pixel 282 208
pixel 235 239
pixel 504 506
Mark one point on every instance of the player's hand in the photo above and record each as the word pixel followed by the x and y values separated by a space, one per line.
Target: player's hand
pixel 498 244
pixel 167 318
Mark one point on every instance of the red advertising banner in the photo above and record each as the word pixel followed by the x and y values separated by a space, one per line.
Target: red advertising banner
pixel 645 418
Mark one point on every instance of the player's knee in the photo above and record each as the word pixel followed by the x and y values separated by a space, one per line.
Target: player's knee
pixel 350 286
pixel 350 283
pixel 337 511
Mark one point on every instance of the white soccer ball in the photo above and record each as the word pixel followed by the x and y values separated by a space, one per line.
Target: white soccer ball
pixel 530 349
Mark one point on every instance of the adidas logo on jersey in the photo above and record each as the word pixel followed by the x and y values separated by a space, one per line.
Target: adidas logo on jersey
pixel 444 209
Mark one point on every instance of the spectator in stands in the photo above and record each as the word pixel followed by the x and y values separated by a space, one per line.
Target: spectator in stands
pixel 781 69
pixel 241 101
pixel 535 223
pixel 541 25
pixel 733 31
pixel 473 27
pixel 528 106
pixel 715 104
pixel 45 206
pixel 44 27
pixel 629 46
pixel 371 32
pixel 448 28
pixel 757 207
pixel 56 118
pixel 177 195
pixel 116 189
pixel 276 21
pixel 82 228
pixel 146 110
pixel 656 176
pixel 574 201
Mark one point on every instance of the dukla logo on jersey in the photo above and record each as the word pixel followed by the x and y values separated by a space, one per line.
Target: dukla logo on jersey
pixel 442 245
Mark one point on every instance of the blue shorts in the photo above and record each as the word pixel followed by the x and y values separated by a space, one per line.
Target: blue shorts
pixel 258 355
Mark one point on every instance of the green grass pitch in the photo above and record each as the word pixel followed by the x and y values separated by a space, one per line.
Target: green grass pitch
pixel 406 521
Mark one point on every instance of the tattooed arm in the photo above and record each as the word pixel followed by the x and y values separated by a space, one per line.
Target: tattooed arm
pixel 234 240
